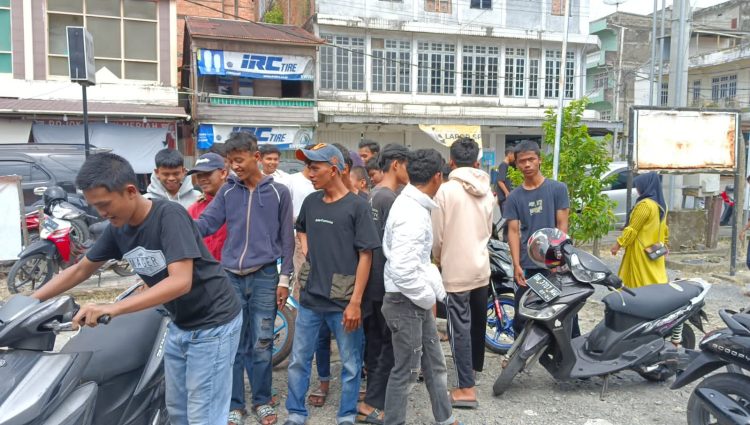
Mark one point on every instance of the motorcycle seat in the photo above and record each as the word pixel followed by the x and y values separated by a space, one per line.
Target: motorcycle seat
pixel 652 301
pixel 743 319
pixel 122 346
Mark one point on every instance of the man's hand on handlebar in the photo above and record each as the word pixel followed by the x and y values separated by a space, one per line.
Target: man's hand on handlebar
pixel 94 314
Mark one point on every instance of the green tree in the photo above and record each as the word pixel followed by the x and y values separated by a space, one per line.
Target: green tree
pixel 274 15
pixel 583 162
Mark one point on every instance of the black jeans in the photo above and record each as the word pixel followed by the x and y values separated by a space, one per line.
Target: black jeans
pixel 467 325
pixel 518 321
pixel 379 356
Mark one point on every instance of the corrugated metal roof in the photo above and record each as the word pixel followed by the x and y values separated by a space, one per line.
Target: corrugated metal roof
pixel 73 107
pixel 246 30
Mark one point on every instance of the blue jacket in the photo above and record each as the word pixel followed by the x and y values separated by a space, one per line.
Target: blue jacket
pixel 257 235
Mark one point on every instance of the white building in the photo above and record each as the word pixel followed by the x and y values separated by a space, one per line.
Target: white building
pixel 397 65
pixel 132 108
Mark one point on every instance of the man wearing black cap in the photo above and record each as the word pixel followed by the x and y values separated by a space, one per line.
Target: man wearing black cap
pixel 210 174
pixel 338 236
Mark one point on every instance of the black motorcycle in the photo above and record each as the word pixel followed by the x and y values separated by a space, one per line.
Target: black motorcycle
pixel 723 398
pixel 631 336
pixel 108 375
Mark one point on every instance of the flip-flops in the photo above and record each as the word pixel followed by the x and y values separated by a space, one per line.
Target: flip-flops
pixel 317 398
pixel 372 418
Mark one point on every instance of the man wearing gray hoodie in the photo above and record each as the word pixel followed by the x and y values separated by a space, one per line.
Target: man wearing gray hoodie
pixel 170 180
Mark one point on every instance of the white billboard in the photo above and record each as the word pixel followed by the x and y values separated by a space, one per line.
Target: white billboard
pixel 685 140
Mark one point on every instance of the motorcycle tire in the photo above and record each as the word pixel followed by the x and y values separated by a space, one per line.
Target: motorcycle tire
pixel 661 373
pixel 512 366
pixel 123 268
pixel 732 385
pixel 79 233
pixel 30 273
pixel 283 335
pixel 500 340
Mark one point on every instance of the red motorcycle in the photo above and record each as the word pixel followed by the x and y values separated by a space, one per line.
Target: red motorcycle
pixel 58 247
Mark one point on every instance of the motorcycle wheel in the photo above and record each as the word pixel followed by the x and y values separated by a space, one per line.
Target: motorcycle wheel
pixel 79 232
pixel 498 337
pixel 661 373
pixel 30 273
pixel 283 335
pixel 731 385
pixel 122 268
pixel 512 366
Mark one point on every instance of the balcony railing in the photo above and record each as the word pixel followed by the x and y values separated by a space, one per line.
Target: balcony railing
pixel 218 99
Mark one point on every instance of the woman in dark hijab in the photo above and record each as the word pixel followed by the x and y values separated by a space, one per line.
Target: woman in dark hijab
pixel 647 225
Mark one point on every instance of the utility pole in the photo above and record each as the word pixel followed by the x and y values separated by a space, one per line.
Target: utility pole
pixel 561 94
pixel 653 58
pixel 618 83
pixel 678 55
pixel 661 49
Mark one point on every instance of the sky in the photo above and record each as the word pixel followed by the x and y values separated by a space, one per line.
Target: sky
pixel 598 9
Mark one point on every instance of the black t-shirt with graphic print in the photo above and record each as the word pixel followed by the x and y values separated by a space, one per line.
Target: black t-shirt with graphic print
pixel 167 235
pixel 535 209
pixel 336 232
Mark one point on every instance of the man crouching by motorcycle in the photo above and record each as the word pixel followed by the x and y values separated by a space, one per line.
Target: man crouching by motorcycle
pixel 162 244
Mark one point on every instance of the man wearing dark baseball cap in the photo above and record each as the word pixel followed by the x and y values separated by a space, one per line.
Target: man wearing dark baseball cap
pixel 210 174
pixel 338 236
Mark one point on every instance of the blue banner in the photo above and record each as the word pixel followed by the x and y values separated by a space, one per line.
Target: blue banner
pixel 255 65
pixel 282 137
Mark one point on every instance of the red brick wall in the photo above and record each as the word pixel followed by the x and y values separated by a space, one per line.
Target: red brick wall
pixel 301 10
pixel 246 9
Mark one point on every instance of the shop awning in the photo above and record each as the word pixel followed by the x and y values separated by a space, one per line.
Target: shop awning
pixel 74 107
pixel 14 131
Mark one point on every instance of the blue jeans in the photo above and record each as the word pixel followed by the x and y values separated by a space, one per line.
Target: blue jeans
pixel 257 293
pixel 198 372
pixel 307 327
pixel 323 354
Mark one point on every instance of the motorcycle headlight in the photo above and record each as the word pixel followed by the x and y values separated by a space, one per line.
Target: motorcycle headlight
pixel 582 274
pixel 541 314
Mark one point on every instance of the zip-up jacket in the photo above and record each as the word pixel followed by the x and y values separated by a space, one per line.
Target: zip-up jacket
pixel 259 229
pixel 407 243
pixel 186 196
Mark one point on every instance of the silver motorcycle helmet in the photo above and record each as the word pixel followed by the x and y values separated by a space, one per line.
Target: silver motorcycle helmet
pixel 545 247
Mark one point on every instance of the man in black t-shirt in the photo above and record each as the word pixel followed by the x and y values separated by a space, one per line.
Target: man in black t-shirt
pixel 379 352
pixel 162 244
pixel 338 236
pixel 504 185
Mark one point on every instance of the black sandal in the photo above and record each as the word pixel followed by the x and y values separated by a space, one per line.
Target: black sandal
pixel 372 418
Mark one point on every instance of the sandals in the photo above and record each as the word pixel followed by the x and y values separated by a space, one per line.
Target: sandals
pixel 372 418
pixel 236 417
pixel 264 412
pixel 317 398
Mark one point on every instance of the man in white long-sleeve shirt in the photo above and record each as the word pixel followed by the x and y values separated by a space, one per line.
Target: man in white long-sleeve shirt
pixel 412 285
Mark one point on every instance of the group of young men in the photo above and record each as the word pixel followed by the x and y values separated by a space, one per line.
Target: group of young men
pixel 371 265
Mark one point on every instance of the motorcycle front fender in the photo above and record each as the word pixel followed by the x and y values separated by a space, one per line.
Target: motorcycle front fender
pixel 725 409
pixel 41 246
pixel 703 364
pixel 534 339
pixel 154 370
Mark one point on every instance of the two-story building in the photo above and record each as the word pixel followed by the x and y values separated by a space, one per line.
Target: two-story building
pixel 398 71
pixel 250 76
pixel 133 107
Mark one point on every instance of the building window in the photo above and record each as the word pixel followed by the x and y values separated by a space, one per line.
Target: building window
pixel 480 70
pixel 391 65
pixel 515 64
pixel 534 55
pixel 601 81
pixel 696 92
pixel 552 65
pixel 6 56
pixel 436 68
pixel 440 6
pixel 481 4
pixel 724 88
pixel 342 63
pixel 606 115
pixel 124 31
pixel 664 94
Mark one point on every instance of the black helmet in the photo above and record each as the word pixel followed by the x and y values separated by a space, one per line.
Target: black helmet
pixel 53 194
pixel 544 247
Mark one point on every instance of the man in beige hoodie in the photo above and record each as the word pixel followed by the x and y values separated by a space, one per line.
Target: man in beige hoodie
pixel 462 223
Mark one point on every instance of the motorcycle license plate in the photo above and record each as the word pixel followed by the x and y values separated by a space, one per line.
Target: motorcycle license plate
pixel 50 225
pixel 543 287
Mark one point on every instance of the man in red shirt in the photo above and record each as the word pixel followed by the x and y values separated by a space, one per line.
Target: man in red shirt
pixel 210 174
